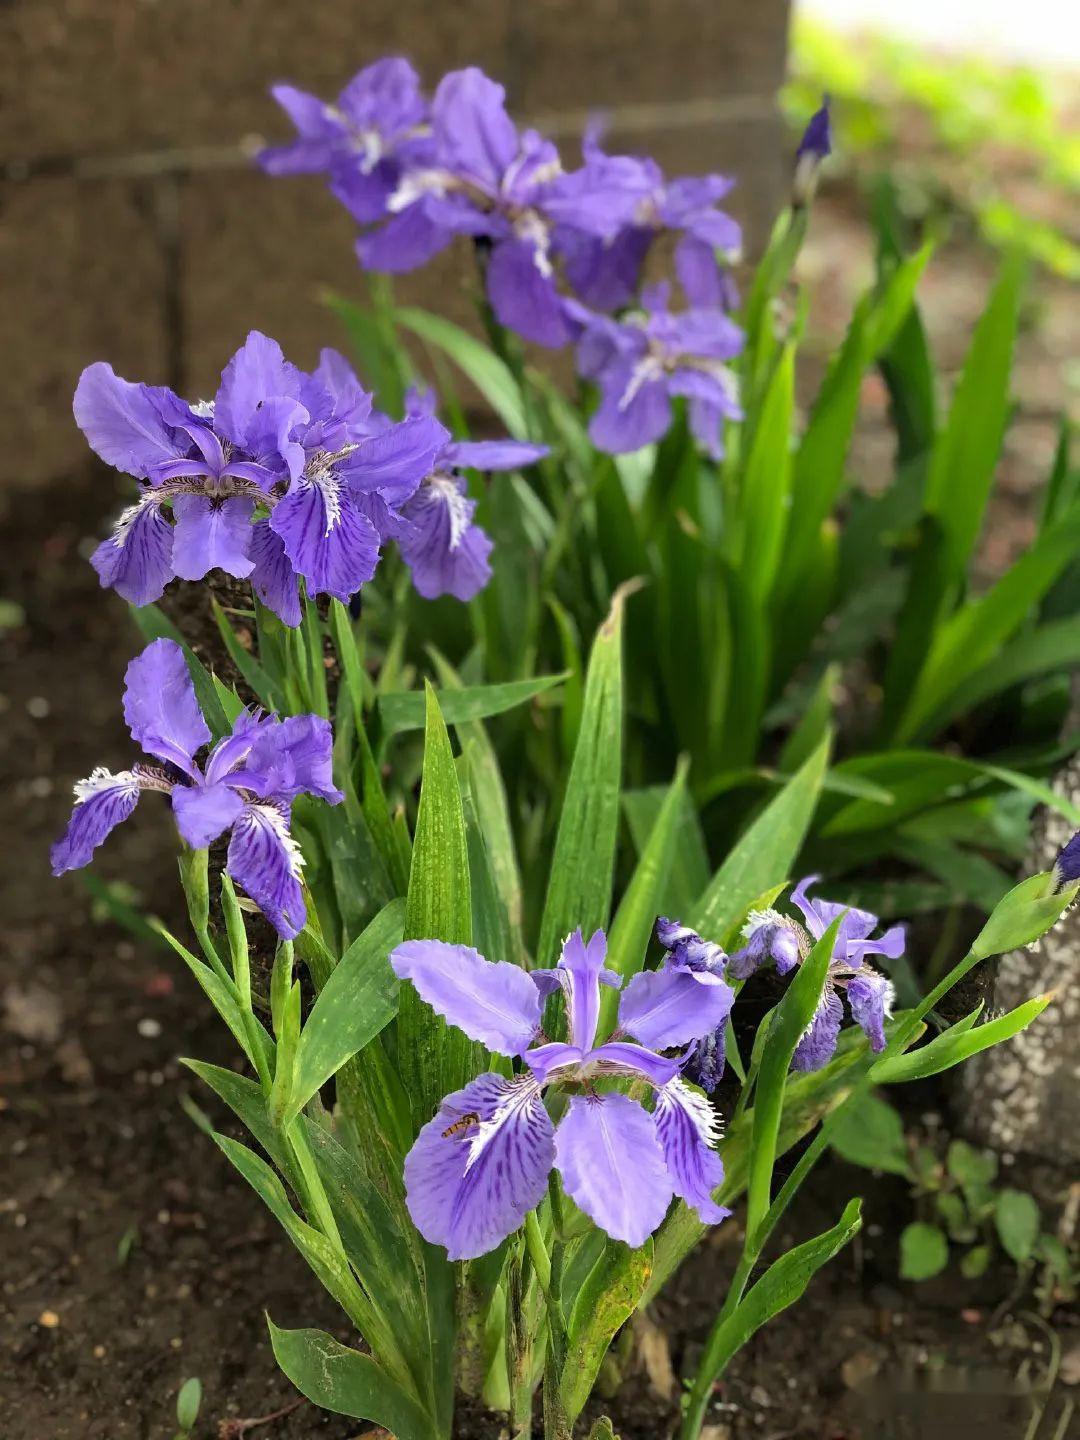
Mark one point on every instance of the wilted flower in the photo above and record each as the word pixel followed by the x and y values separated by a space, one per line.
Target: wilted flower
pixel 303 450
pixel 705 961
pixel 483 1162
pixel 770 935
pixel 649 357
pixel 246 785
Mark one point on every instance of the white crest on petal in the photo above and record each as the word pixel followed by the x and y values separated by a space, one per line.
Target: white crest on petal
pixel 278 821
pixel 322 475
pixel 532 226
pixel 757 918
pixel 103 779
pixel 444 490
pixel 203 409
pixel 701 1114
pixel 128 517
pixel 519 1095
pixel 415 185
pixel 648 368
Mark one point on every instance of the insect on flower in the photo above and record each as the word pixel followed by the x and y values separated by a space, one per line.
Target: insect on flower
pixel 483 1162
pixel 459 1127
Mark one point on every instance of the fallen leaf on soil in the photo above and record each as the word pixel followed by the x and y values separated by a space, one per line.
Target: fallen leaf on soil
pixel 858 1368
pixel 74 1065
pixel 33 1013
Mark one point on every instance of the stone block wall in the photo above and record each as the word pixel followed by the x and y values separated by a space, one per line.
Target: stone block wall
pixel 134 228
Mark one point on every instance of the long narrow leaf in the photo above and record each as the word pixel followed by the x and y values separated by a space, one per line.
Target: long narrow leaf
pixel 579 885
pixel 433 1057
pixel 641 903
pixel 357 1001
pixel 405 710
pixel 491 376
pixel 765 854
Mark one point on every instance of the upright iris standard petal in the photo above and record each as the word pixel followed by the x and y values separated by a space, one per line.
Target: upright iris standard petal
pixel 265 860
pixel 102 801
pixel 272 577
pixel 212 534
pixel 612 1166
pixel 686 1127
pixel 256 373
pixel 160 708
pixel 581 972
pixel 136 560
pixel 891 945
pixel 492 1001
pixel 203 812
pixel 123 422
pixel 296 757
pixel 869 998
pixel 468 112
pixel 818 1043
pixel 327 540
pixel 662 1008
pixel 480 1166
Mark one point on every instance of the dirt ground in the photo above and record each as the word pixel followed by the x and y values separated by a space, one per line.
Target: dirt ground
pixel 131 1256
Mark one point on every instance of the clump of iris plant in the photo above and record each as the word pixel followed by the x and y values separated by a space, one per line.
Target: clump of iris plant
pixel 483 1162
pixel 245 786
pixel 285 476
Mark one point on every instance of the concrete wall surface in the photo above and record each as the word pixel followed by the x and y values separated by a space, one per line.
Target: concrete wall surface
pixel 134 228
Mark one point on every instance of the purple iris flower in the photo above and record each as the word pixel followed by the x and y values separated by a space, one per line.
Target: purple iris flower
pixel 447 554
pixel 486 179
pixel 483 1162
pixel 814 147
pixel 647 358
pixel 377 126
pixel 246 784
pixel 301 451
pixel 771 936
pixel 605 271
pixel 706 962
